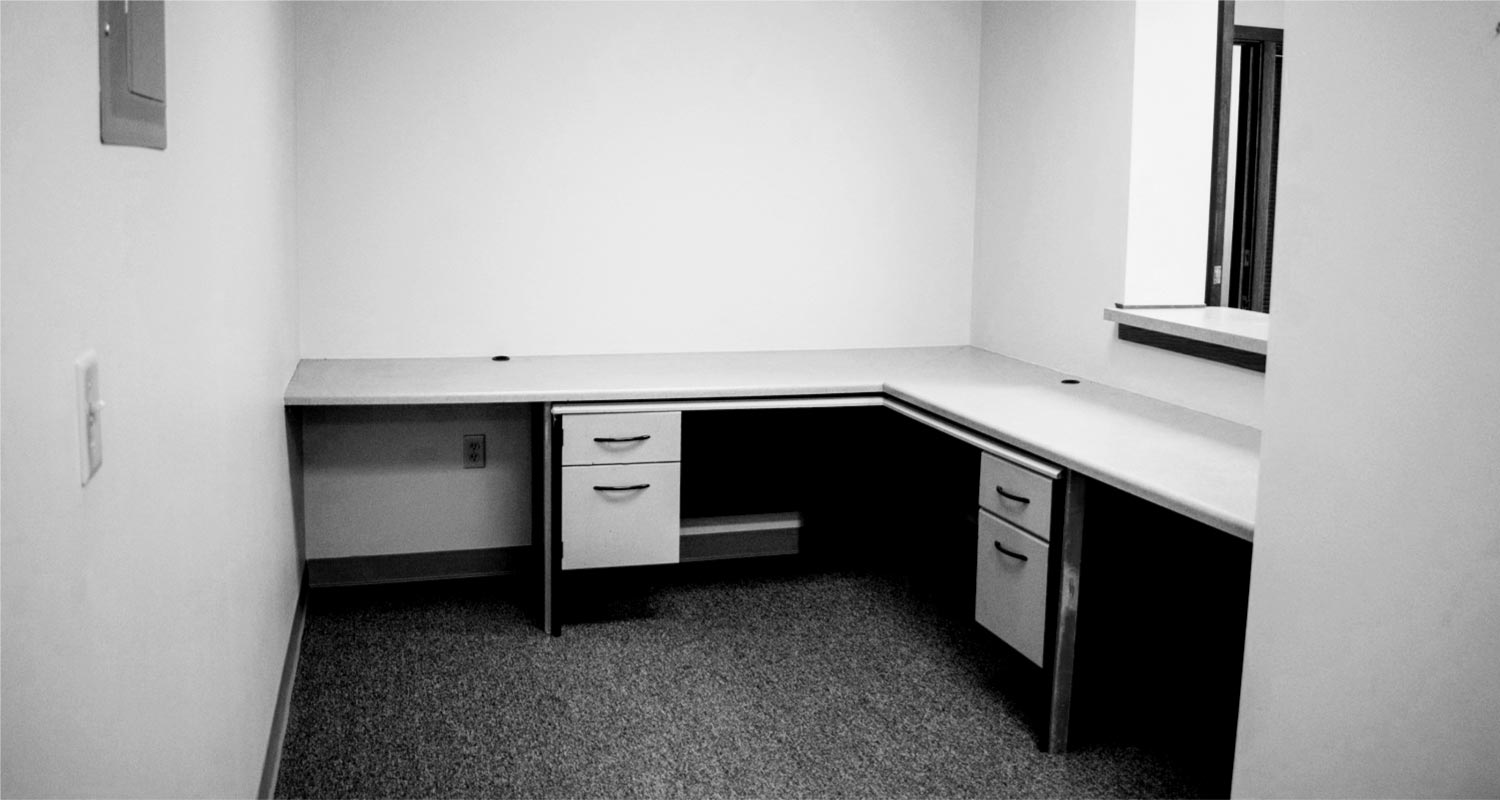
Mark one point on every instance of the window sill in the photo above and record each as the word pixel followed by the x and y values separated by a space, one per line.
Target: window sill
pixel 1229 335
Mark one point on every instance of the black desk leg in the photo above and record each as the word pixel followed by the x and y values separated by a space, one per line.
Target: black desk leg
pixel 1063 615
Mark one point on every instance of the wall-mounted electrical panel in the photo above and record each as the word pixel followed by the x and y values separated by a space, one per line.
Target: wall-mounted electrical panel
pixel 133 73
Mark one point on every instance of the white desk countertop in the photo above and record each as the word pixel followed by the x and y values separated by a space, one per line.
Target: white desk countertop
pixel 1204 467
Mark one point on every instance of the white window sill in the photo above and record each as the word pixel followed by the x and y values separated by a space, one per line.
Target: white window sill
pixel 1230 328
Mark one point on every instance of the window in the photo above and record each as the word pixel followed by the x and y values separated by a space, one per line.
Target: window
pixel 1247 122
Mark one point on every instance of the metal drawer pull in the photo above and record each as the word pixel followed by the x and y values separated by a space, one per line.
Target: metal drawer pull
pixel 634 488
pixel 1009 496
pixel 1009 553
pixel 643 437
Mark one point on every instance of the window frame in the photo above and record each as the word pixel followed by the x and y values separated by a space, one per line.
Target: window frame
pixel 1246 278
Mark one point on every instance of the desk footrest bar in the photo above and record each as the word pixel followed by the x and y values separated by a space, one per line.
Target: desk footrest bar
pixel 743 536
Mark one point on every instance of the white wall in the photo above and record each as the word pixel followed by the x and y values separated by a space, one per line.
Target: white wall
pixel 1260 13
pixel 391 480
pixel 632 177
pixel 146 616
pixel 1372 645
pixel 1171 151
pixel 1053 206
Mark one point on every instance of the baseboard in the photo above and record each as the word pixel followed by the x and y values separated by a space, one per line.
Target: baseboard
pixel 402 567
pixel 272 766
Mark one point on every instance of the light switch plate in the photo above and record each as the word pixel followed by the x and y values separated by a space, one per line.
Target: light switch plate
pixel 90 424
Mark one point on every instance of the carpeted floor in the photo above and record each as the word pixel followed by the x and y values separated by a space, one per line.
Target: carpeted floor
pixel 772 683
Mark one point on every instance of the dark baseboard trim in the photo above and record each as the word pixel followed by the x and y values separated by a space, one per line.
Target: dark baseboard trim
pixel 402 567
pixel 1193 347
pixel 272 767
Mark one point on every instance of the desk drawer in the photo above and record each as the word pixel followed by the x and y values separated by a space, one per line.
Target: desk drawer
pixel 1010 588
pixel 620 515
pixel 625 438
pixel 1015 493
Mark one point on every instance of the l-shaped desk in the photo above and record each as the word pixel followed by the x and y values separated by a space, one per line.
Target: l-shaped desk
pixel 1202 467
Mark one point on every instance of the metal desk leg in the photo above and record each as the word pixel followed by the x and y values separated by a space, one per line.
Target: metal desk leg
pixel 544 467
pixel 1064 615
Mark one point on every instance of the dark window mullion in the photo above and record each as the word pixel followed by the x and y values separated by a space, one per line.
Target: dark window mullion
pixel 1240 266
pixel 1265 100
pixel 1217 224
pixel 1275 161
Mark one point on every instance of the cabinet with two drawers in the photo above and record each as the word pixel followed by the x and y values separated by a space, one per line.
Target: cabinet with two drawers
pixel 620 489
pixel 1016 516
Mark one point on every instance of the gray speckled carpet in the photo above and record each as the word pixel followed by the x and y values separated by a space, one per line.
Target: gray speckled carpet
pixel 767 683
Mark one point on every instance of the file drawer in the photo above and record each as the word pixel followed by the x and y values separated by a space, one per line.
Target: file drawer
pixel 620 515
pixel 624 438
pixel 1010 585
pixel 1017 494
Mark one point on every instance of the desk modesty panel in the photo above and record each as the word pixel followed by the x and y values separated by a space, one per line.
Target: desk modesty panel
pixel 1203 467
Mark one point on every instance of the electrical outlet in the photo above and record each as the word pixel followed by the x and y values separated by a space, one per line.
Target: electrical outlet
pixel 474 451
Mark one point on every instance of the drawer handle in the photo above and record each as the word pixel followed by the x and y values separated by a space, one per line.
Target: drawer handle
pixel 1010 553
pixel 613 439
pixel 635 488
pixel 1013 497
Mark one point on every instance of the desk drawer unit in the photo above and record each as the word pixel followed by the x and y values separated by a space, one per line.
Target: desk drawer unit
pixel 627 438
pixel 1010 587
pixel 1016 493
pixel 621 488
pixel 620 515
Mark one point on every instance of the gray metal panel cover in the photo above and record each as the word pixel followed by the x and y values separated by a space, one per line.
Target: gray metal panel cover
pixel 132 73
pixel 147 44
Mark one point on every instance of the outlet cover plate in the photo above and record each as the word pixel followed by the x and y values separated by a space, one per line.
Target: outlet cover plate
pixel 474 451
